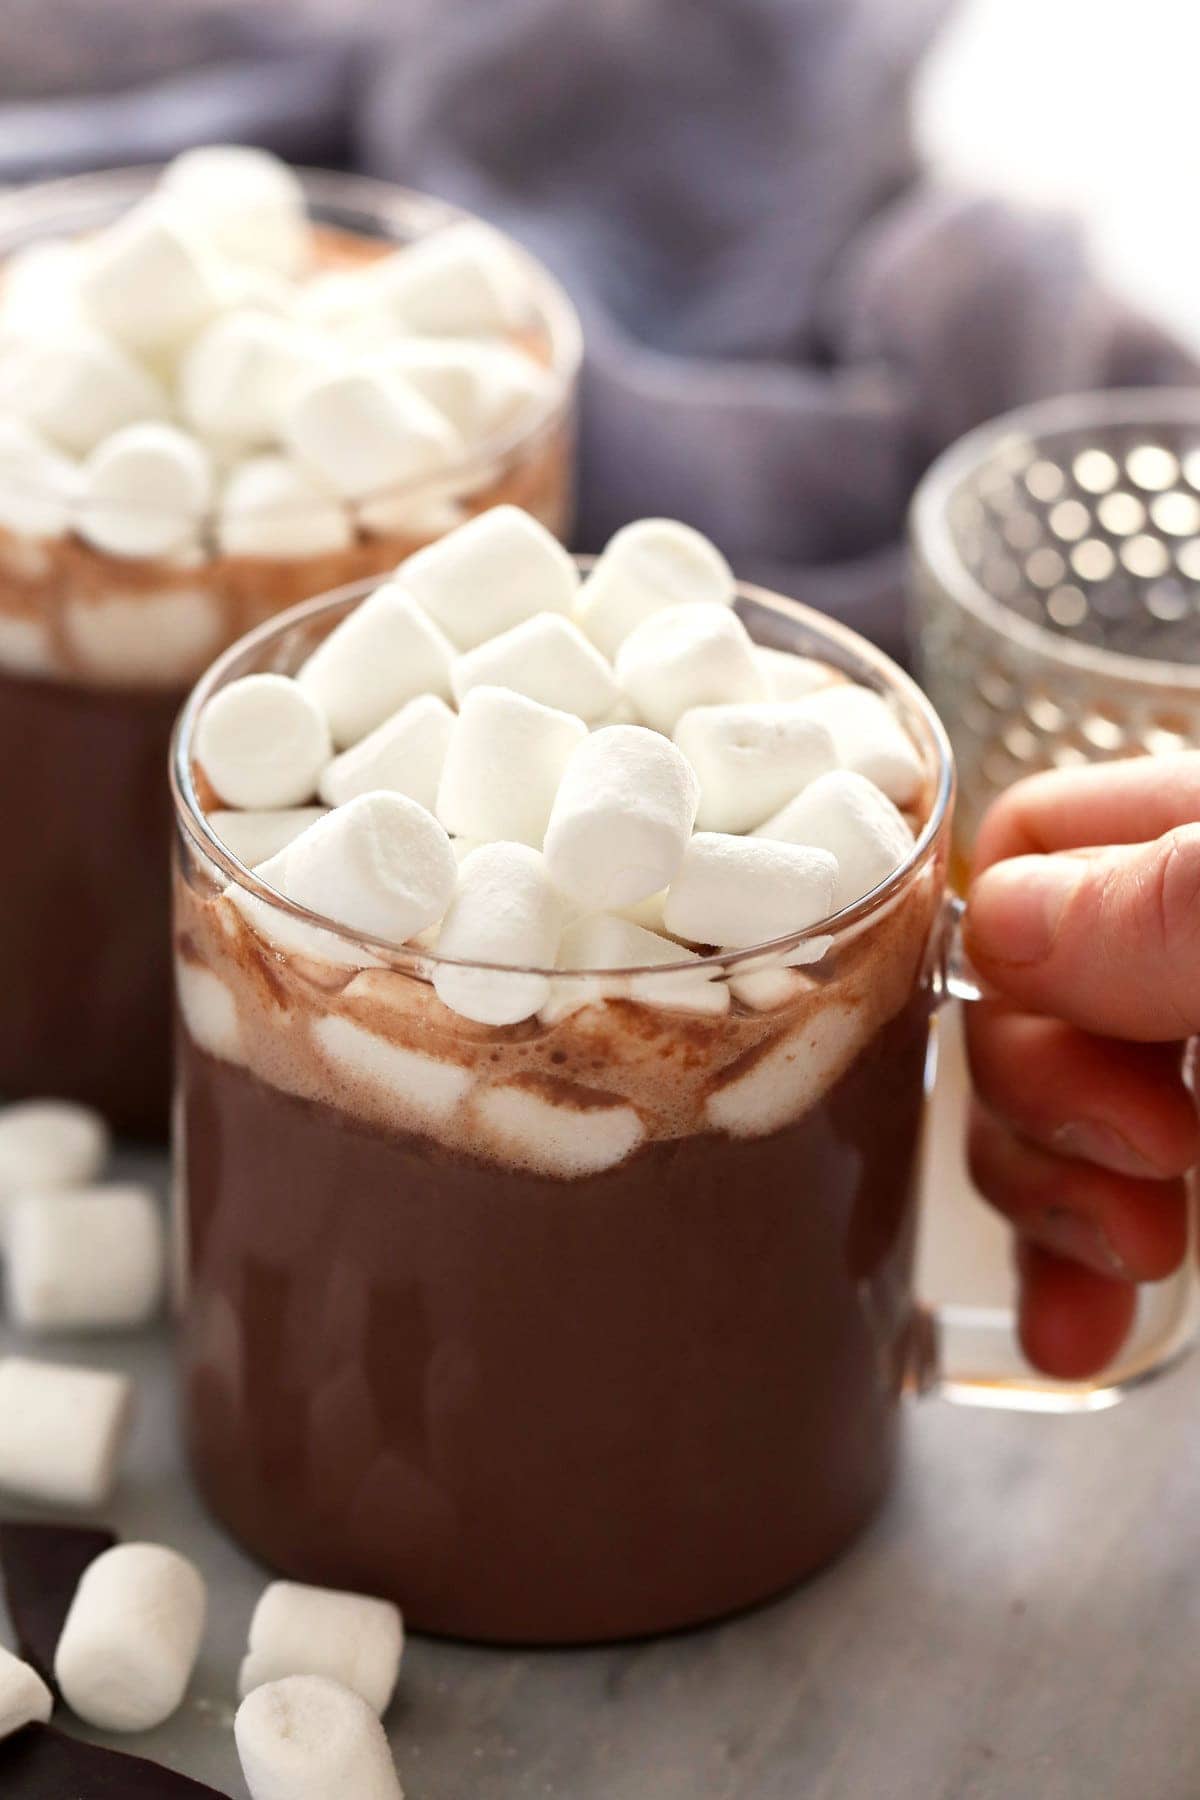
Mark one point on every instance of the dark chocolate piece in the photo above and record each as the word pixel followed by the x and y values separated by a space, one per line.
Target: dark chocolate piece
pixel 40 1763
pixel 40 1566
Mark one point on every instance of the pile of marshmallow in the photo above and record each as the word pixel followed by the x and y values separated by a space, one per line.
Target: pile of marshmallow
pixel 182 380
pixel 627 774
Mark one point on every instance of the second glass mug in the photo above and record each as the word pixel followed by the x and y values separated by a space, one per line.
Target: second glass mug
pixel 97 652
pixel 588 1327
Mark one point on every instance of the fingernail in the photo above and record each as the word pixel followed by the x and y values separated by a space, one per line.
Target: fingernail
pixel 1014 908
pixel 1104 1145
pixel 1072 1235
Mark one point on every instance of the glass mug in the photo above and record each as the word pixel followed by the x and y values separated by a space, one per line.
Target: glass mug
pixel 97 652
pixel 1056 588
pixel 588 1327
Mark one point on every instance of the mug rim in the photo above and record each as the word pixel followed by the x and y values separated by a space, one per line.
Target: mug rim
pixel 932 543
pixel 192 820
pixel 112 190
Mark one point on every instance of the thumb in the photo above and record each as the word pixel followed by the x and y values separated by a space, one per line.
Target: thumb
pixel 1108 940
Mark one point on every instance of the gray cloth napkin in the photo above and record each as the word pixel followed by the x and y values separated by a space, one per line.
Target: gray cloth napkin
pixel 785 321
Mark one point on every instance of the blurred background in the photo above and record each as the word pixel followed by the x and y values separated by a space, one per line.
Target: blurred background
pixel 812 240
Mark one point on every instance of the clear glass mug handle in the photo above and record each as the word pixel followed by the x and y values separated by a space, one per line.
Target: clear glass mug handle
pixel 969 1354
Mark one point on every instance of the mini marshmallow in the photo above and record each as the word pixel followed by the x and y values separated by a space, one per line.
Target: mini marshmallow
pixel 237 378
pixel 645 568
pixel 601 941
pixel 751 759
pixel 351 1638
pixel 420 1089
pixel 246 202
pixel 420 517
pixel 506 911
pixel 309 1738
pixel 38 484
pixel 209 1011
pixel 147 281
pixel 145 491
pixel 38 289
pixel 131 1637
pixel 694 655
pixel 494 572
pixel 791 677
pixel 295 937
pixel 504 762
pixel 459 281
pixel 482 388
pixel 870 739
pixel 77 389
pixel 791 1077
pixel 86 1261
pixel 559 1136
pixel 24 1697
pixel 62 1431
pixel 272 506
pixel 850 817
pixel 364 434
pixel 255 837
pixel 380 864
pixel 262 742
pixel 546 658
pixel 50 1144
pixel 621 818
pixel 383 654
pixel 404 755
pixel 738 891
pixel 162 638
pixel 765 989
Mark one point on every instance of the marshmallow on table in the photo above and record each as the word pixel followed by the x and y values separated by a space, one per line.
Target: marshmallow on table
pixel 739 891
pixel 621 818
pixel 131 1638
pixel 77 389
pixel 384 653
pixel 693 655
pixel 272 506
pixel 645 568
pixel 351 1638
pixel 145 491
pixel 506 910
pixel 546 658
pixel 869 739
pixel 850 817
pixel 750 759
pixel 262 742
pixel 503 766
pixel 246 202
pixel 459 281
pixel 24 1697
pixel 366 433
pixel 482 388
pixel 380 864
pixel 497 570
pixel 309 1738
pixel 38 484
pixel 237 377
pixel 85 1261
pixel 605 941
pixel 404 755
pixel 791 677
pixel 62 1430
pixel 147 280
pixel 50 1144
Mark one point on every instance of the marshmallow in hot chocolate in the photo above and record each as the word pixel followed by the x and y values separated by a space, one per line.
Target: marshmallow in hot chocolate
pixel 736 810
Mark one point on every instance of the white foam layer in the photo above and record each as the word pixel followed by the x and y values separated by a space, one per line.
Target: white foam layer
pixel 555 1137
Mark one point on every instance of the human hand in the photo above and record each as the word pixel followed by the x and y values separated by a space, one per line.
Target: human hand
pixel 1082 1127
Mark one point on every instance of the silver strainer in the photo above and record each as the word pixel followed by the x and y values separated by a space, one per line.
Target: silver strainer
pixel 1056 587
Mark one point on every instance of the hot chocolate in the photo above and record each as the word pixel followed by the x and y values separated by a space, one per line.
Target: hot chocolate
pixel 569 1301
pixel 159 496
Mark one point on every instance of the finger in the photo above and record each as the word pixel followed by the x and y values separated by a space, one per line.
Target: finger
pixel 1123 1106
pixel 1070 1321
pixel 1110 942
pixel 1106 803
pixel 1116 1225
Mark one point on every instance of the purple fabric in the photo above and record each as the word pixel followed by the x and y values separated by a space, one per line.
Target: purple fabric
pixel 785 321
